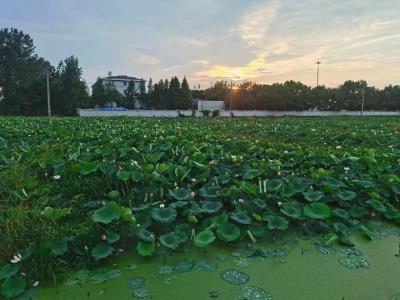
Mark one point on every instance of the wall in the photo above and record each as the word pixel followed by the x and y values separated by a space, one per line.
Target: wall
pixel 225 113
pixel 210 105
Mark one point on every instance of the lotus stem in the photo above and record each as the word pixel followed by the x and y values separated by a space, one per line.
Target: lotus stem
pixel 252 238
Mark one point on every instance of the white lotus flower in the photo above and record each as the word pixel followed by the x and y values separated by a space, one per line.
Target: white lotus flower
pixel 16 259
pixel 56 177
pixel 162 205
pixel 36 283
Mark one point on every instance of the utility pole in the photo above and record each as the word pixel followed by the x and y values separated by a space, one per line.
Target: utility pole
pixel 318 63
pixel 363 101
pixel 48 94
pixel 230 98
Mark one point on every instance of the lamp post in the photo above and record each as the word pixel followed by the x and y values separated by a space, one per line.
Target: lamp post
pixel 48 94
pixel 362 101
pixel 318 63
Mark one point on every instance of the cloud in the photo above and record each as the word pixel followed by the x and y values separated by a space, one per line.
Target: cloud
pixel 255 24
pixel 143 58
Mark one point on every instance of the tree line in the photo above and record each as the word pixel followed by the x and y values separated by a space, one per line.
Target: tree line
pixel 23 79
pixel 169 94
pixel 297 96
pixel 23 88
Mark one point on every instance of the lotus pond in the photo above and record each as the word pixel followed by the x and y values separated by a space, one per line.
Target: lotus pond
pixel 148 208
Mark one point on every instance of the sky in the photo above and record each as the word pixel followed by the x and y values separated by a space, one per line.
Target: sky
pixel 265 41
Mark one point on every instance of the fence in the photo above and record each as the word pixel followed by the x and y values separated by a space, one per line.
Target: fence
pixel 226 113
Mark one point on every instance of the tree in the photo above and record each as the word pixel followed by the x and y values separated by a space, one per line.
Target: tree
pixel 22 75
pixel 173 95
pixel 130 94
pixel 102 93
pixel 69 90
pixel 185 97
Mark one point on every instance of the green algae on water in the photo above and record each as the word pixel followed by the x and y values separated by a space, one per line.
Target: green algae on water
pixel 254 293
pixel 353 262
pixel 235 277
pixel 165 270
pixel 207 266
pixel 183 266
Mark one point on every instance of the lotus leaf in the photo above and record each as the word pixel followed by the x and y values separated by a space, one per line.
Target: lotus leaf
pixel 241 218
pixel 258 229
pixel 146 248
pixel 211 206
pixel 13 287
pixel 377 205
pixel 204 238
pixel 277 222
pixel 87 168
pixel 112 237
pixel 59 247
pixel 180 194
pixel 274 185
pixel 171 240
pixel 228 232
pixel 164 215
pixel 101 250
pixel 314 195
pixel 317 210
pixel 291 210
pixel 209 191
pixel 127 215
pixel 345 195
pixel 136 176
pixel 123 175
pixel 108 213
pixel 113 195
pixel 145 235
pixel 8 271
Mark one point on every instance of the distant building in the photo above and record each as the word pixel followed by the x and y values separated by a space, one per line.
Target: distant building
pixel 209 105
pixel 121 82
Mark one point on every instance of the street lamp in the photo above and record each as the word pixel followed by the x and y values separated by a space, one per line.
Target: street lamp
pixel 318 63
pixel 233 88
pixel 48 94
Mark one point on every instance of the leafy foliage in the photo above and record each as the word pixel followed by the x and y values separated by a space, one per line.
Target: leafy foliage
pixel 92 186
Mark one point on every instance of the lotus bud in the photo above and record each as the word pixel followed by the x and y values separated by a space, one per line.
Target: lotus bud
pixel 36 283
pixel 279 203
pixel 192 193
pixel 241 201
pixel 86 248
pixel 103 237
pixel 175 184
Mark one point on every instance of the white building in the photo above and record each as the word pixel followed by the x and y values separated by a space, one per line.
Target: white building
pixel 121 82
pixel 210 105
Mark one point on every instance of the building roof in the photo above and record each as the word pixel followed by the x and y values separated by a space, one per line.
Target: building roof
pixel 123 77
